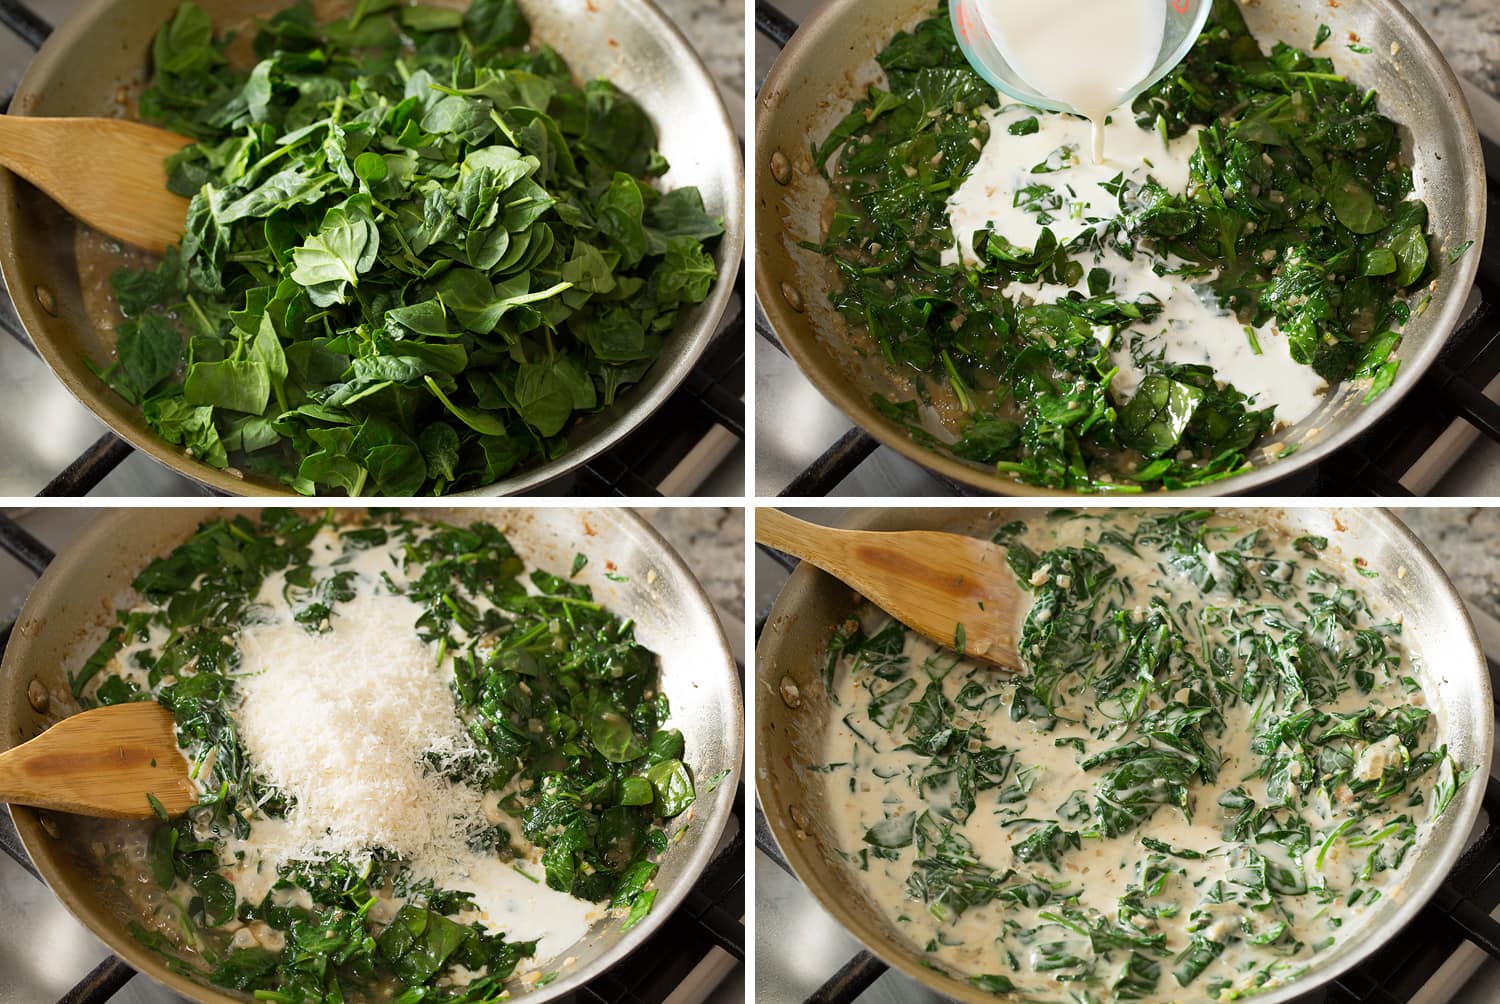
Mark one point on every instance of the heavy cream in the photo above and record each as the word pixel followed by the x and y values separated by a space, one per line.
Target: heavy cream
pixel 1086 54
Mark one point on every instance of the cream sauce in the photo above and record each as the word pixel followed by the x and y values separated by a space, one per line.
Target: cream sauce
pixel 870 779
pixel 1000 189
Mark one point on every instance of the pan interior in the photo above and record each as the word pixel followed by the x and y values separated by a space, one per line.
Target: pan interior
pixel 72 607
pixel 831 63
pixel 92 63
pixel 791 734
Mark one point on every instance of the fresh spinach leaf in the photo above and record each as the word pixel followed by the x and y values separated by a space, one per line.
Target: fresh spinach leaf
pixel 403 174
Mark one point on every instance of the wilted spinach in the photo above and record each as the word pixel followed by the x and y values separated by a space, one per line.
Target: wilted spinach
pixel 1298 204
pixel 562 701
pixel 416 250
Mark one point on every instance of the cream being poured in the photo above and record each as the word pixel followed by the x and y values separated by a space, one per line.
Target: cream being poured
pixel 1087 54
pixel 1027 180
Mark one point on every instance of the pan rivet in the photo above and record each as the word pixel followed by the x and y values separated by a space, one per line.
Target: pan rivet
pixel 44 297
pixel 781 168
pixel 791 695
pixel 792 297
pixel 49 826
pixel 37 695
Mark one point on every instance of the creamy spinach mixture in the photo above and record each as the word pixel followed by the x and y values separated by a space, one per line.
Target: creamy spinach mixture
pixel 1252 237
pixel 423 767
pixel 1216 756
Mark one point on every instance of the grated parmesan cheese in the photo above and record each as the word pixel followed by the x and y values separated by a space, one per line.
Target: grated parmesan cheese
pixel 344 723
pixel 341 722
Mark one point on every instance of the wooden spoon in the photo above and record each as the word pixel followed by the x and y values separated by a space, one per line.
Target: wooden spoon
pixel 109 173
pixel 934 583
pixel 102 763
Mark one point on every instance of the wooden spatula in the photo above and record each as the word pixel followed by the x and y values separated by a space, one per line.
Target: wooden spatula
pixel 931 582
pixel 102 763
pixel 109 173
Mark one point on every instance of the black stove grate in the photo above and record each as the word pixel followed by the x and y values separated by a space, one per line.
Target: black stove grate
pixel 712 395
pixel 25 22
pixel 709 917
pixel 1374 464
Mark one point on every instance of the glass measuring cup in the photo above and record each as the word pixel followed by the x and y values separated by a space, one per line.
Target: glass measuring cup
pixel 1185 19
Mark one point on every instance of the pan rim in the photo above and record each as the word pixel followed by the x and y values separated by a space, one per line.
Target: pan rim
pixel 848 399
pixel 698 333
pixel 111 523
pixel 1418 888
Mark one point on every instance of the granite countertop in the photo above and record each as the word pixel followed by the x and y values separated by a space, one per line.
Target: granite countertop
pixel 1468 32
pixel 717 30
pixel 1464 542
pixel 712 542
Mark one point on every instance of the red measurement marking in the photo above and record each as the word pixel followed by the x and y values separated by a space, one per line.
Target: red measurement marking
pixel 1181 6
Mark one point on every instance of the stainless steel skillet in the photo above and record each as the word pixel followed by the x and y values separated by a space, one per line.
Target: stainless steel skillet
pixel 103 49
pixel 830 62
pixel 789 740
pixel 72 607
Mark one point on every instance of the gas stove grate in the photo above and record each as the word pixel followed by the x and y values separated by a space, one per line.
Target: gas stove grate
pixel 1395 974
pixel 25 22
pixel 711 396
pixel 707 919
pixel 1373 464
